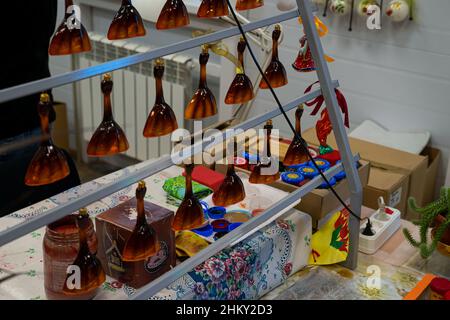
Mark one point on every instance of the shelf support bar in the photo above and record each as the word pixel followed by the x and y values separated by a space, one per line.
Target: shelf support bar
pixel 162 163
pixel 323 73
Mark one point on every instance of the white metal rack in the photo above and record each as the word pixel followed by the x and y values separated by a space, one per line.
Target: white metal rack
pixel 327 89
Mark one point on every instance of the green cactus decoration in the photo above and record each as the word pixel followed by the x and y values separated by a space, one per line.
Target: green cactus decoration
pixel 427 216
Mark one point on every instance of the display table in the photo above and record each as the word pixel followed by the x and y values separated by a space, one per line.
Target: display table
pixel 261 262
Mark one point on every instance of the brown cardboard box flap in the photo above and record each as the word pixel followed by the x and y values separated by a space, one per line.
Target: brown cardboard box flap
pixel 393 187
pixel 383 179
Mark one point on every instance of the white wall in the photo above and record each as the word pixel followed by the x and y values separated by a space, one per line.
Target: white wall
pixel 398 76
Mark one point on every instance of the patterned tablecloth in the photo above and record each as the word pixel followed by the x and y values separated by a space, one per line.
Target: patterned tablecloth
pixel 247 270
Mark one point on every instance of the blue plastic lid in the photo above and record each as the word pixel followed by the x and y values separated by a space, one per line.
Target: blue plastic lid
pixel 324 185
pixel 205 231
pixel 309 172
pixel 321 163
pixel 341 175
pixel 220 225
pixel 233 226
pixel 216 212
pixel 292 177
pixel 251 158
pixel 296 167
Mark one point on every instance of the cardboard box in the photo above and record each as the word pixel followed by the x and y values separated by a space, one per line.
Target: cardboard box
pixel 114 227
pixel 421 169
pixel 319 202
pixel 393 187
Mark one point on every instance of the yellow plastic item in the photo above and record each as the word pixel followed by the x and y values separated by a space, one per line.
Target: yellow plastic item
pixel 188 243
pixel 329 245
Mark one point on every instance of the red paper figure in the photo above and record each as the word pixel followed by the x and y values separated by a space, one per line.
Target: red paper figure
pixel 324 126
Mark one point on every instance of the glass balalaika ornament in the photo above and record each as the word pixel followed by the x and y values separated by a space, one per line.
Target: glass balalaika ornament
pixel 173 15
pixel 212 9
pixel 231 190
pixel 90 271
pixel 143 241
pixel 248 4
pixel 275 72
pixel 190 212
pixel 241 89
pixel 71 36
pixel 296 152
pixel 203 103
pixel 127 23
pixel 109 138
pixel 161 120
pixel 49 163
pixel 263 171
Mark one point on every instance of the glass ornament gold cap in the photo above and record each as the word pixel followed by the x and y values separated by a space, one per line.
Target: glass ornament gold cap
pixel 107 77
pixel 83 212
pixel 159 62
pixel 141 184
pixel 45 97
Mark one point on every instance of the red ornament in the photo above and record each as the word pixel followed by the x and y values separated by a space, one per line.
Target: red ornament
pixel 304 61
pixel 323 125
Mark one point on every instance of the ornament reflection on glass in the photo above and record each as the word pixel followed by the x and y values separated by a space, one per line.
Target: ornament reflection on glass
pixel 143 241
pixel 275 72
pixel 49 163
pixel 231 190
pixel 248 4
pixel 212 9
pixel 297 153
pixel 127 23
pixel 241 89
pixel 173 15
pixel 161 120
pixel 190 212
pixel 203 103
pixel 398 10
pixel 71 36
pixel 264 172
pixel 109 138
pixel 323 125
pixel 91 274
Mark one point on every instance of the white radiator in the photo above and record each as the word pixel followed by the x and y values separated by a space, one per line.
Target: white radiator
pixel 133 95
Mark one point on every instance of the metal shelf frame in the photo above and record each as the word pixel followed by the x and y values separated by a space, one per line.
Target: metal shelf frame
pixel 327 89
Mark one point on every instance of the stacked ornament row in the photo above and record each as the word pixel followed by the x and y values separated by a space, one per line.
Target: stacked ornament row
pixel 71 36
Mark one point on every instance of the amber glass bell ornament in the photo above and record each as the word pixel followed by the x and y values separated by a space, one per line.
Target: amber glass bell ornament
pixel 212 9
pixel 203 103
pixel 173 15
pixel 263 171
pixel 161 120
pixel 127 23
pixel 190 212
pixel 109 138
pixel 143 241
pixel 296 152
pixel 90 271
pixel 248 4
pixel 231 191
pixel 275 72
pixel 71 36
pixel 49 163
pixel 241 89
